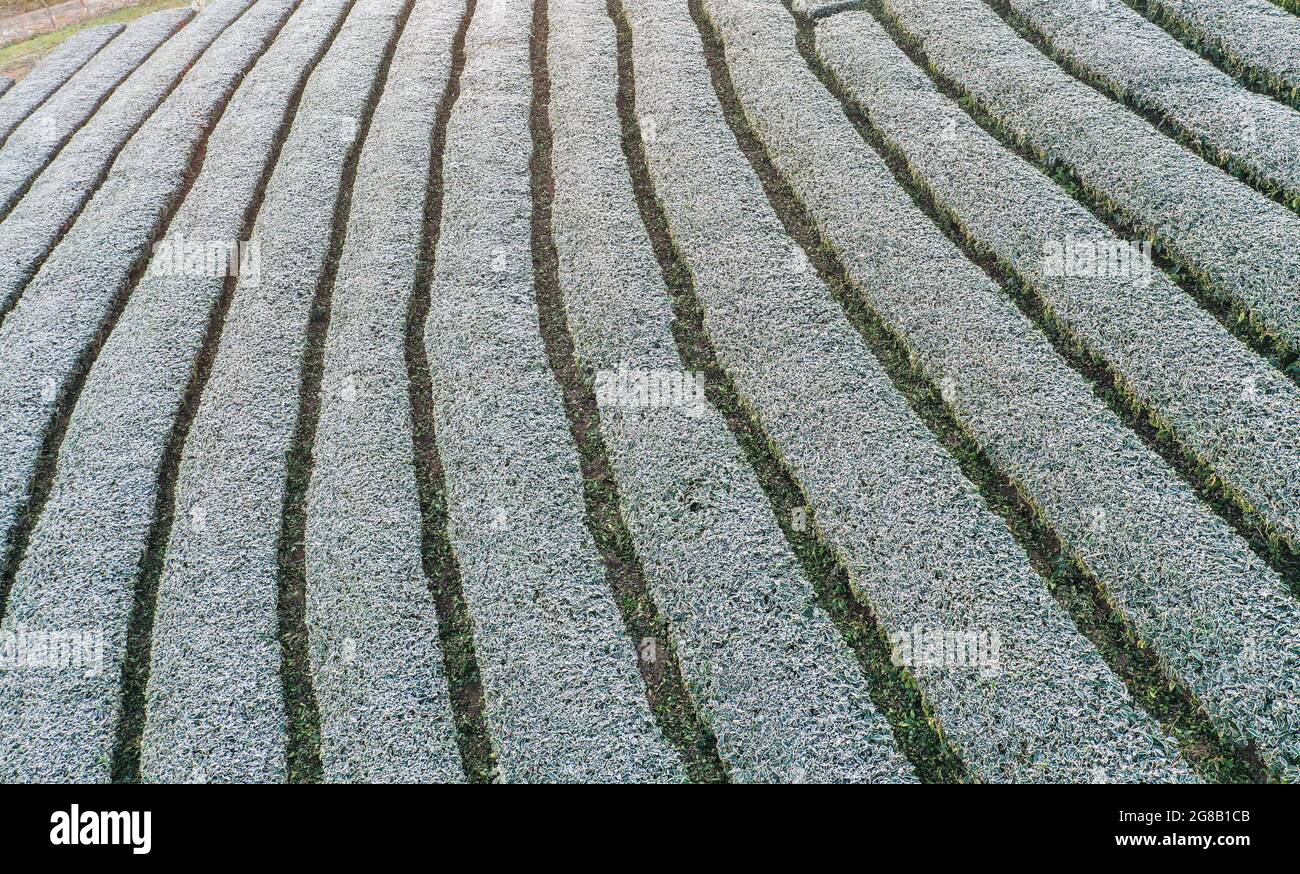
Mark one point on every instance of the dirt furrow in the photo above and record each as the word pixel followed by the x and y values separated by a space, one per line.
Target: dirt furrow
pixel 674 710
pixel 455 628
pixel 169 334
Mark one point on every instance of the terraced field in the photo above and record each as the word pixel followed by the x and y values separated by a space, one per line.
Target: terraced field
pixel 654 391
